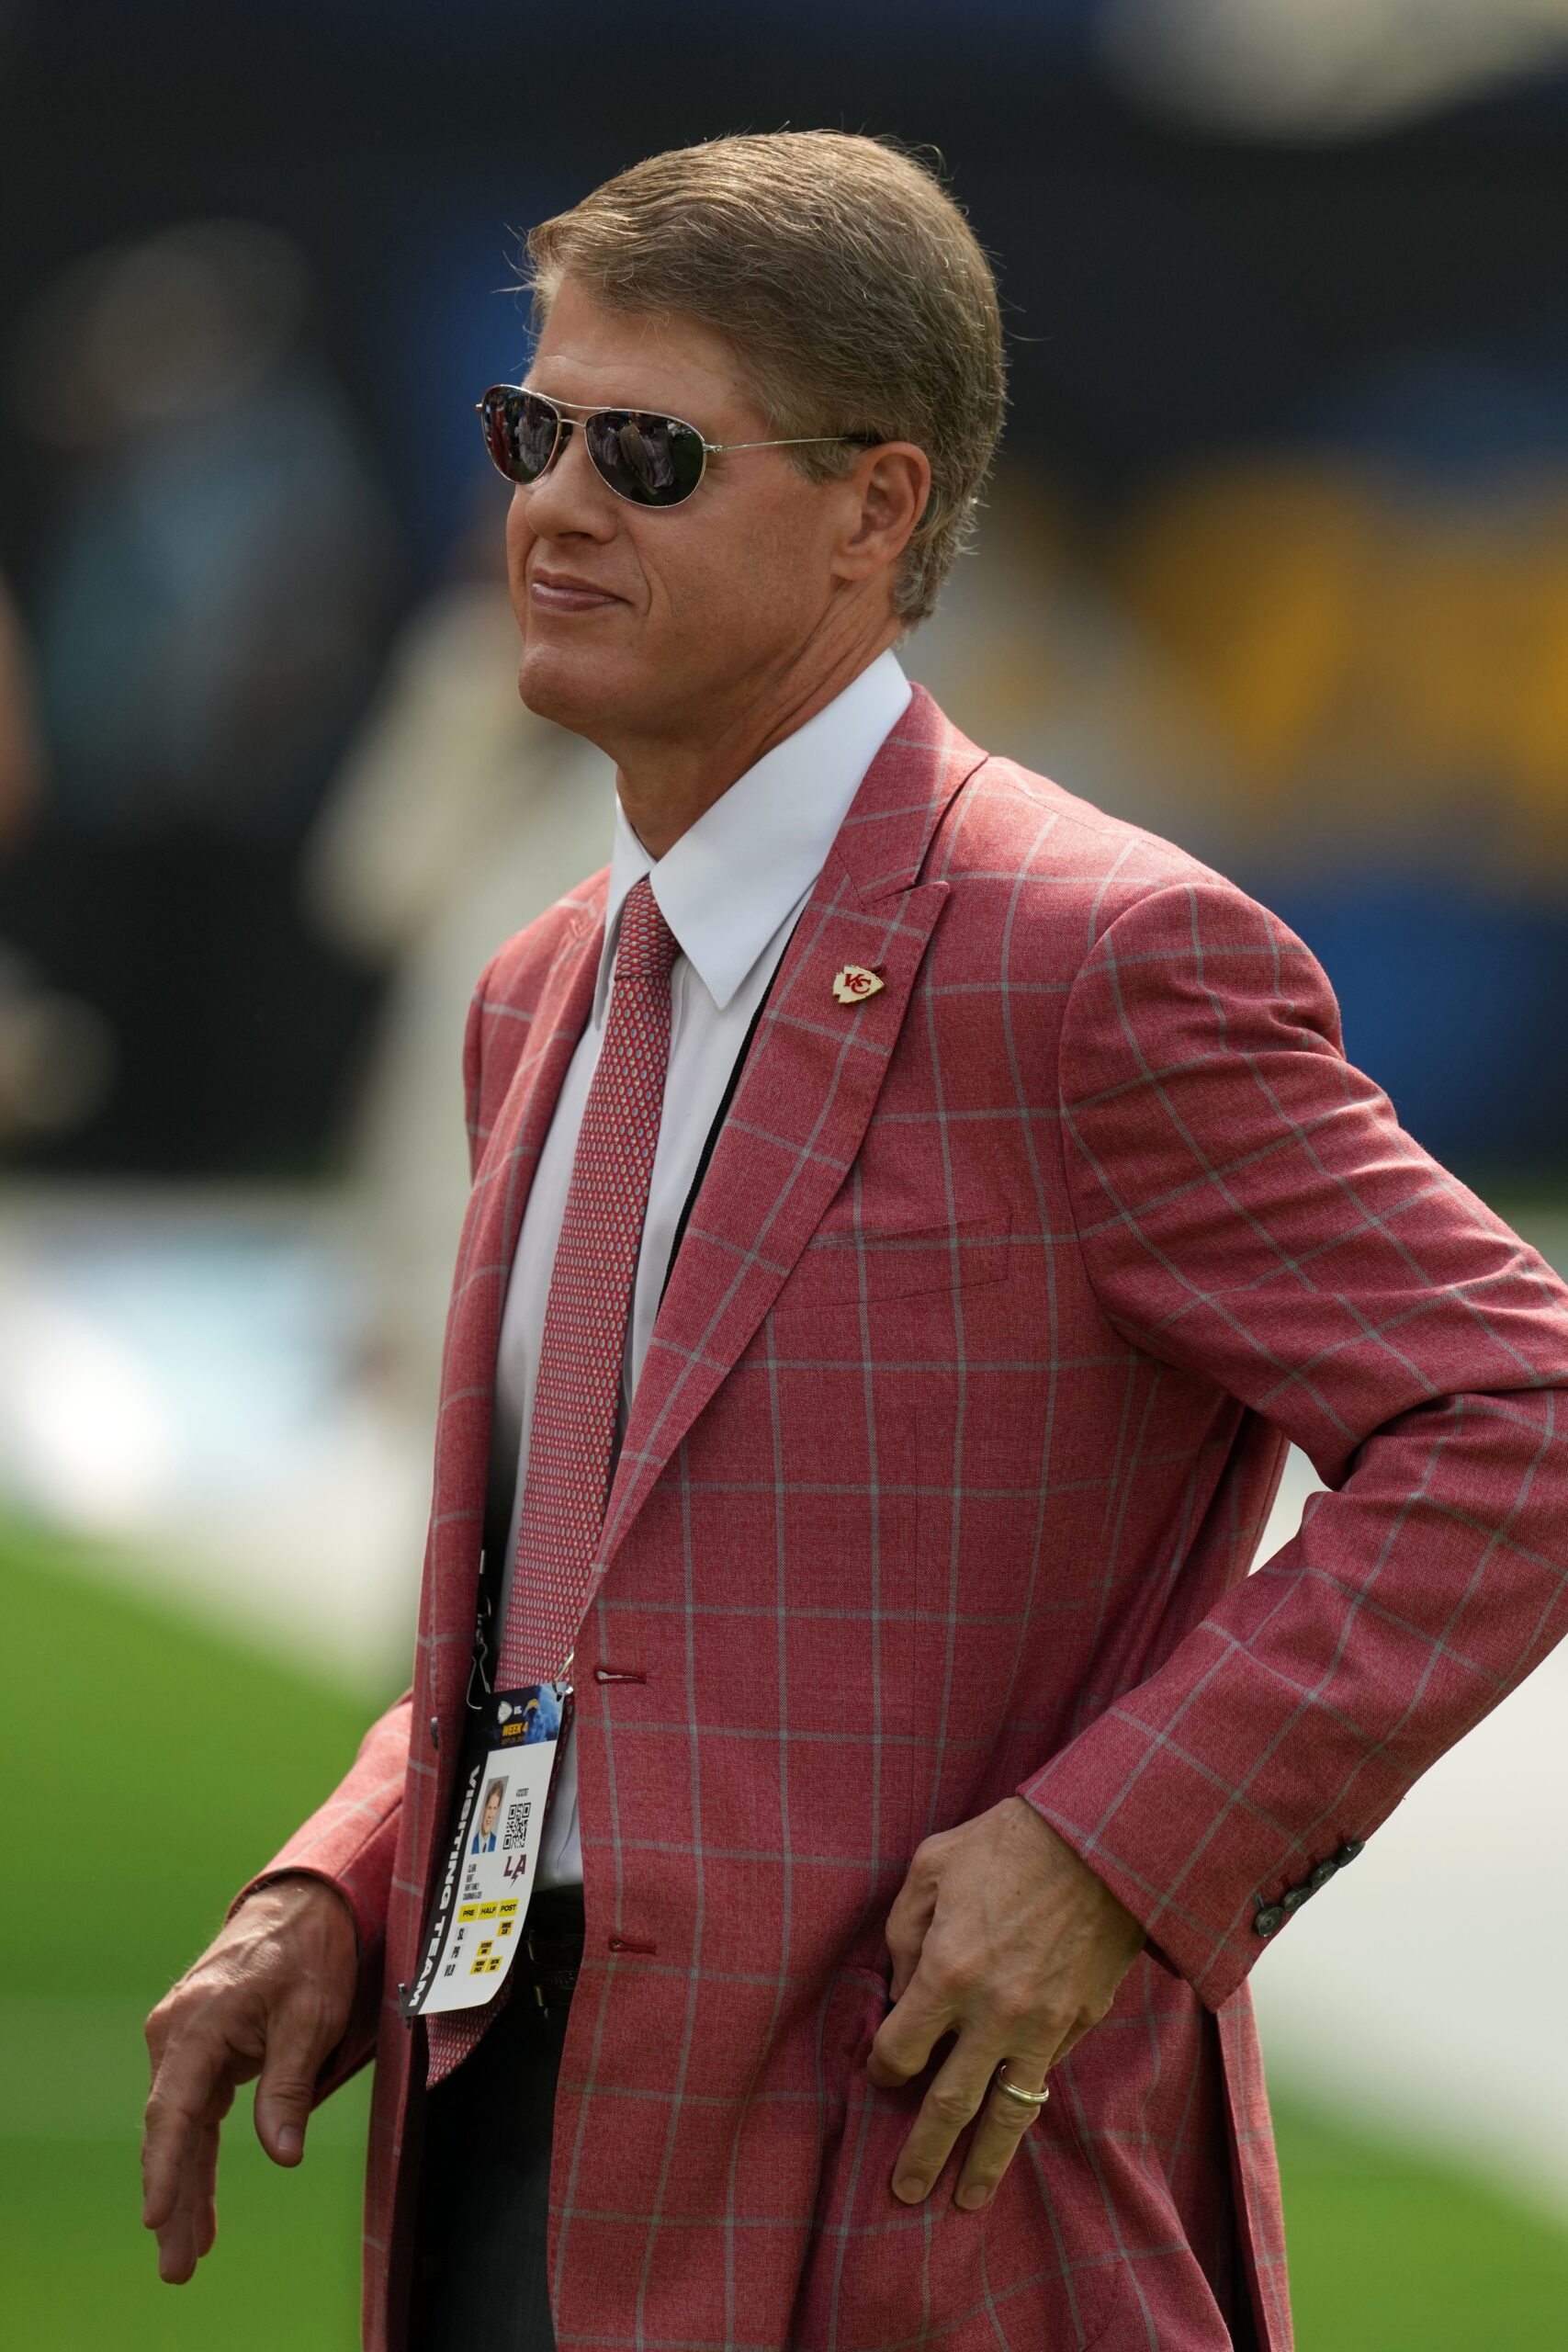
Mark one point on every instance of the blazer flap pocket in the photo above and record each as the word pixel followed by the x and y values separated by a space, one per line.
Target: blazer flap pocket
pixel 841 1267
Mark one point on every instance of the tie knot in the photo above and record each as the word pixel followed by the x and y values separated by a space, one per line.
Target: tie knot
pixel 647 945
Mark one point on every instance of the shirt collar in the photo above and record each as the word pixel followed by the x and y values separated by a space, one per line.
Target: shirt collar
pixel 727 884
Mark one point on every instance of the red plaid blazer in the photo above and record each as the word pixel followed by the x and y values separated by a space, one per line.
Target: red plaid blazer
pixel 962 1418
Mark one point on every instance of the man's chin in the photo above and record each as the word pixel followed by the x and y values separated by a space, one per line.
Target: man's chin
pixel 574 692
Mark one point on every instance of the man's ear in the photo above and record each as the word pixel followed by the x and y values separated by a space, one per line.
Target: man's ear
pixel 890 488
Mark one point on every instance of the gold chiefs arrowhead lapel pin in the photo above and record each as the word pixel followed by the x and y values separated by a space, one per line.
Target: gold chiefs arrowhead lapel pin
pixel 856 981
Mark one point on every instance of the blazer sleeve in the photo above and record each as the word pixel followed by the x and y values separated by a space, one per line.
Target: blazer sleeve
pixel 350 1841
pixel 1249 1209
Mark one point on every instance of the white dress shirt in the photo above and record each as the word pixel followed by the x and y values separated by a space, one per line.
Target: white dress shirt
pixel 730 890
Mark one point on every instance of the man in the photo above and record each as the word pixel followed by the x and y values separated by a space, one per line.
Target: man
pixel 913 1213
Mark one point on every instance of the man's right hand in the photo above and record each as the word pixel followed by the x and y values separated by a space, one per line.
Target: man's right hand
pixel 270 1996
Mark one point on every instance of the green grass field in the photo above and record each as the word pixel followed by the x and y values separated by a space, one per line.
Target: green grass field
pixel 171 1762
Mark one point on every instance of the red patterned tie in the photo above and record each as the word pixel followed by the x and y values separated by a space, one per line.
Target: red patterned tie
pixel 577 1386
pixel 579 1382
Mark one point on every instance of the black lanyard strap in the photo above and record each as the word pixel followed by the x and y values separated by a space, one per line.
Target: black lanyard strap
pixel 719 1117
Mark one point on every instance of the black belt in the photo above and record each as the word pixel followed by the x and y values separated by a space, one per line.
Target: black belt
pixel 547 1967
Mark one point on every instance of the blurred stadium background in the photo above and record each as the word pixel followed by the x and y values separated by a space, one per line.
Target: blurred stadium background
pixel 1277 562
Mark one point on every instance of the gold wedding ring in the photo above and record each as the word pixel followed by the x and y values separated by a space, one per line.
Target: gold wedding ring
pixel 1028 2099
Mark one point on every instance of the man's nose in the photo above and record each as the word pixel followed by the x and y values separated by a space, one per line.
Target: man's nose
pixel 570 499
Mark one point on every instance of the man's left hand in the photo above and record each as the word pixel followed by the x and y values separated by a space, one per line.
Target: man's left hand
pixel 1001 1935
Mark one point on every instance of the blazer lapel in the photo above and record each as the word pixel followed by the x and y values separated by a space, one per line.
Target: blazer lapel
pixel 810 1083
pixel 501 1184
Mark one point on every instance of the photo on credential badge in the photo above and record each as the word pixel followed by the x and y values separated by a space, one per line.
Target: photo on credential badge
pixel 484 1836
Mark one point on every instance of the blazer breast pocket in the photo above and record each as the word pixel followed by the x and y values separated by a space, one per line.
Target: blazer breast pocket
pixel 842 1267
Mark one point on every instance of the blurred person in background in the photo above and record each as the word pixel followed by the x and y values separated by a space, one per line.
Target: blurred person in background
pixel 913 1210
pixel 419 884
pixel 54 1051
pixel 211 603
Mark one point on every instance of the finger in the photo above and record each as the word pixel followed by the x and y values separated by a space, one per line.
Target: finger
pixel 903 2042
pixel 177 2249
pixel 155 2033
pixel 908 1919
pixel 191 2229
pixel 952 2101
pixel 192 2074
pixel 206 2203
pixel 300 2037
pixel 905 1935
pixel 999 2134
pixel 1070 2041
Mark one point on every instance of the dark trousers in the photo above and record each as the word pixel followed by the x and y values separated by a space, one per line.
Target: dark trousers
pixel 480 2270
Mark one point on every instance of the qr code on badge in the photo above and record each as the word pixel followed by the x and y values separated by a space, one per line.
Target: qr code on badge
pixel 517 1824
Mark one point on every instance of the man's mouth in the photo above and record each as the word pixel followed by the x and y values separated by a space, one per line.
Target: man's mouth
pixel 561 592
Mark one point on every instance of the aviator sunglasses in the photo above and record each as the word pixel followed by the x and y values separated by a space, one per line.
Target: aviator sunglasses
pixel 650 459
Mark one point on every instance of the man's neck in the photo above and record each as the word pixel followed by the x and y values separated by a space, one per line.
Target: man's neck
pixel 665 786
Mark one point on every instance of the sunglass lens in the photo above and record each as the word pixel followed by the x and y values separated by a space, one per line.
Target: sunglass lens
pixel 520 433
pixel 652 460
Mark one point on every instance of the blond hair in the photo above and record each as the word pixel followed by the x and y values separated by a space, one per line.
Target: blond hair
pixel 851 286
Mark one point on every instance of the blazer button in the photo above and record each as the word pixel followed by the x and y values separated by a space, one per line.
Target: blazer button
pixel 1293 1899
pixel 435 1731
pixel 1271 1916
pixel 1348 1851
pixel 1320 1875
